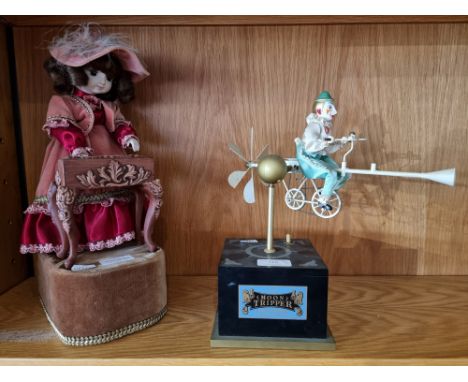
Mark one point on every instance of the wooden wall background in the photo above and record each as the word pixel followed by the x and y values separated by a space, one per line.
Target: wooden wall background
pixel 403 86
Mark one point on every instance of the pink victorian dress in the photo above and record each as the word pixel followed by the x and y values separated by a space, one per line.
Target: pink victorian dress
pixel 104 219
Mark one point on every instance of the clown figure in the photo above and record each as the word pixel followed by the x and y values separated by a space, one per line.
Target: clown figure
pixel 317 144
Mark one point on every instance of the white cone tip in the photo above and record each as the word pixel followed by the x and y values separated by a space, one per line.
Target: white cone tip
pixel 446 176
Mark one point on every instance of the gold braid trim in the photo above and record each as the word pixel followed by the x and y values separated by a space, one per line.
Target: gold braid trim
pixel 90 198
pixel 108 336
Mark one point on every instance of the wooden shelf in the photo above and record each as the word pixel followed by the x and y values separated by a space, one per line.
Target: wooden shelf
pixel 375 320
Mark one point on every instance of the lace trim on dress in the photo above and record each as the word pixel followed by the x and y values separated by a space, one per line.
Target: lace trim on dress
pixel 121 121
pixel 99 245
pixel 91 246
pixel 39 248
pixel 56 121
pixel 89 111
pixel 37 208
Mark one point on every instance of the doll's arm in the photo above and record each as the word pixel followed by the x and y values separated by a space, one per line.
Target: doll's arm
pixel 62 126
pixel 335 146
pixel 71 137
pixel 125 134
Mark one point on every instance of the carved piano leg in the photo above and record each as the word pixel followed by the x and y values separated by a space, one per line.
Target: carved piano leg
pixel 65 200
pixel 153 191
pixel 51 196
pixel 139 200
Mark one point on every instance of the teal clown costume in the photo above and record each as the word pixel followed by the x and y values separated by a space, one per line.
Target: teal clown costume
pixel 317 143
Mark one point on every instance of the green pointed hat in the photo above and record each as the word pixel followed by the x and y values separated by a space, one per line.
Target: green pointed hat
pixel 324 96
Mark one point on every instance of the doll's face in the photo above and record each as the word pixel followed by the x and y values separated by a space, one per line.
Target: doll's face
pixel 327 111
pixel 98 82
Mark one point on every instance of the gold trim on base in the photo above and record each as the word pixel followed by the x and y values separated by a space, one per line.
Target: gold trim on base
pixel 248 342
pixel 108 336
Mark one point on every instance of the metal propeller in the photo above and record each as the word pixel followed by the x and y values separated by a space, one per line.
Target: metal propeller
pixel 236 177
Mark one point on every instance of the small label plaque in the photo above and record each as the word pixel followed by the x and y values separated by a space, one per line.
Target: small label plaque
pixel 274 302
pixel 274 263
pixel 107 262
pixel 82 267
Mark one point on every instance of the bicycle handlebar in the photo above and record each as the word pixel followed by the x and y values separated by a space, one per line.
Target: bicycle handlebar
pixel 350 138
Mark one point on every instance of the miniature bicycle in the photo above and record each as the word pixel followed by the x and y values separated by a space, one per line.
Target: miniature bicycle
pixel 297 197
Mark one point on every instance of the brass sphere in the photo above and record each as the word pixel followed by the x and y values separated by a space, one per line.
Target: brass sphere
pixel 272 169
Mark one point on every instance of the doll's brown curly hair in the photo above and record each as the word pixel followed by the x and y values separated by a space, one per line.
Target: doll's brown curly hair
pixel 65 77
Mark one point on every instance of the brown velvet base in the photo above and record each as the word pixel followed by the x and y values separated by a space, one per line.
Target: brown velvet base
pixel 112 290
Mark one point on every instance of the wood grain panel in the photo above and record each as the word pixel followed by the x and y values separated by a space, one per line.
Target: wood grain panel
pixel 12 265
pixel 402 86
pixel 227 20
pixel 380 320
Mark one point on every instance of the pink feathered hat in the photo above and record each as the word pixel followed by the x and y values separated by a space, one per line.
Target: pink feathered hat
pixel 86 42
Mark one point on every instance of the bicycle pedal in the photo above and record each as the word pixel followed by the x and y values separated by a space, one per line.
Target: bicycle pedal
pixel 326 207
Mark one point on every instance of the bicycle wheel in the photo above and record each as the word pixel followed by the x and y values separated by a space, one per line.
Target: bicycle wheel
pixel 294 199
pixel 334 202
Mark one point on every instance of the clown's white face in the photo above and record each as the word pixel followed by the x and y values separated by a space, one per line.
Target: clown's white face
pixel 98 83
pixel 327 111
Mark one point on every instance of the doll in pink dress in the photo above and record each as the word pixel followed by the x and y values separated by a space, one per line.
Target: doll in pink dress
pixel 92 73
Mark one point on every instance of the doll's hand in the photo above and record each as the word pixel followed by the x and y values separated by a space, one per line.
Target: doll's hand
pixel 329 141
pixel 133 143
pixel 81 152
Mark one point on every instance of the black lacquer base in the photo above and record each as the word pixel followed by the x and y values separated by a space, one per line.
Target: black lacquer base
pixel 280 295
